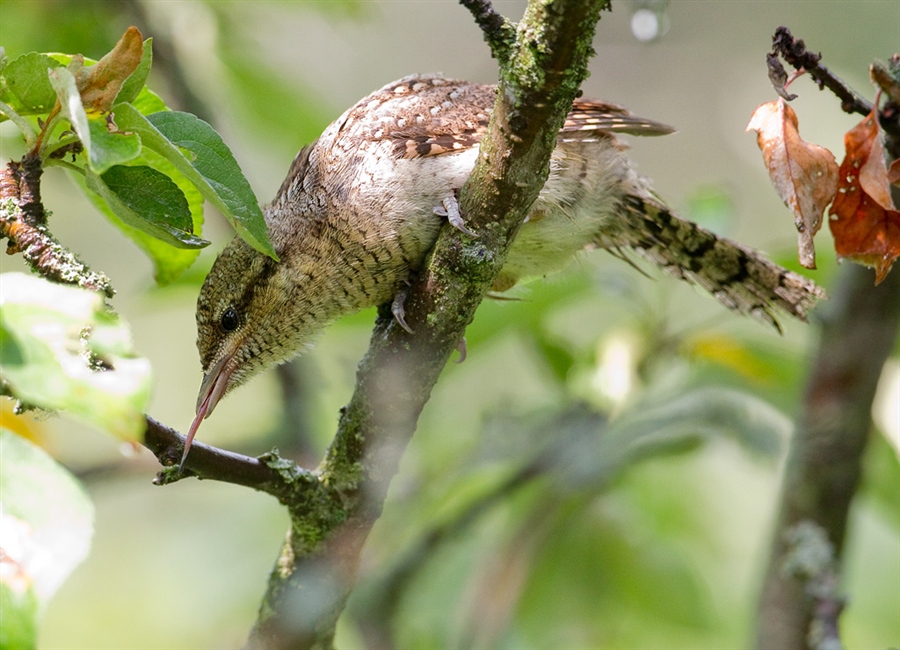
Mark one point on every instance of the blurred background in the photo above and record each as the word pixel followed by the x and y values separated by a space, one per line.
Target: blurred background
pixel 654 531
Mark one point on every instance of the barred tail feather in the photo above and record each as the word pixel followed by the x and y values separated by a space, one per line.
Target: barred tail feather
pixel 738 276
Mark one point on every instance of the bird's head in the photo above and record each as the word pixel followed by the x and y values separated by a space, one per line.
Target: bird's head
pixel 251 315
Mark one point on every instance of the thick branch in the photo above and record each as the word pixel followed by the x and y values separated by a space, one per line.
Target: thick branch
pixel 824 466
pixel 395 379
pixel 23 222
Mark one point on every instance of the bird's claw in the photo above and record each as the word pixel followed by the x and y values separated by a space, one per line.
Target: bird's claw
pixel 398 310
pixel 462 349
pixel 450 208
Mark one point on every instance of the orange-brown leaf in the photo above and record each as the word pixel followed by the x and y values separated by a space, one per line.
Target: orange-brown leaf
pixel 873 175
pixel 894 172
pixel 864 230
pixel 804 174
pixel 99 84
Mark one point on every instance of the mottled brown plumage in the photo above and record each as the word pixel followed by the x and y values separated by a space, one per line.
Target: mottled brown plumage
pixel 362 205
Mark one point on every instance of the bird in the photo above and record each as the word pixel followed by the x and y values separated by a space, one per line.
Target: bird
pixel 361 207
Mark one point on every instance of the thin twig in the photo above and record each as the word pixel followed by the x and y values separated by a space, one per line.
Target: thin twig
pixel 794 51
pixel 499 32
pixel 269 473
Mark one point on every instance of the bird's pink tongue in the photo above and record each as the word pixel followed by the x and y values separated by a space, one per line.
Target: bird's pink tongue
pixel 211 391
pixel 201 413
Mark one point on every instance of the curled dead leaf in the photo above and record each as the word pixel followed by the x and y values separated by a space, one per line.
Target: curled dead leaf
pixel 873 174
pixel 804 174
pixel 864 230
pixel 894 172
pixel 99 84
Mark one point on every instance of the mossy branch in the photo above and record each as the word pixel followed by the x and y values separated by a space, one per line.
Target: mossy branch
pixel 540 74
pixel 23 222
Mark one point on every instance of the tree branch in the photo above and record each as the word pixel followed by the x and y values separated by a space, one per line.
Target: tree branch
pixel 825 461
pixel 499 33
pixel 539 80
pixel 23 222
pixel 859 325
pixel 794 52
pixel 269 473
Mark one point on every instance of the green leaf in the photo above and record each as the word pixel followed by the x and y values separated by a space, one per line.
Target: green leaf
pixel 63 83
pixel 63 350
pixel 47 523
pixel 18 602
pixel 135 83
pixel 212 168
pixel 24 84
pixel 661 424
pixel 109 149
pixel 156 198
pixel 147 102
pixel 169 262
pixel 149 201
pixel 104 149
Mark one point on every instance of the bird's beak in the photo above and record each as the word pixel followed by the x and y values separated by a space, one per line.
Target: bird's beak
pixel 213 387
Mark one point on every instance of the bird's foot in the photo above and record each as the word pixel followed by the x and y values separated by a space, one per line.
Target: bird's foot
pixel 398 310
pixel 450 208
pixel 462 349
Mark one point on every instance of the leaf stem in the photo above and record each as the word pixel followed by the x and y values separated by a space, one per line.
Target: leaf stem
pixel 67 141
pixel 56 162
pixel 21 123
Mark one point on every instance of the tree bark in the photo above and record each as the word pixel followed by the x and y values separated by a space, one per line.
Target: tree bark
pixel 824 465
pixel 543 61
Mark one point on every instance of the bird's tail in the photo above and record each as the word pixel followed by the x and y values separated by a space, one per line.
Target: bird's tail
pixel 738 276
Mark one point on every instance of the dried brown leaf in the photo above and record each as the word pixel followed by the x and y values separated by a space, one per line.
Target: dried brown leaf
pixel 804 174
pixel 893 174
pixel 873 175
pixel 99 84
pixel 864 231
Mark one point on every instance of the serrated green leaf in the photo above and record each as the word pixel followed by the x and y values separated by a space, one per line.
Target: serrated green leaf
pixel 153 195
pixel 135 207
pixel 213 169
pixel 24 84
pixel 71 354
pixel 169 262
pixel 135 83
pixel 47 523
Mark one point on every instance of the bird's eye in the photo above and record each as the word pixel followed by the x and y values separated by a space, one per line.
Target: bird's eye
pixel 230 320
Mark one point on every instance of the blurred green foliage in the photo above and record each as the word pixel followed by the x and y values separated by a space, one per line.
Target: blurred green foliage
pixel 600 472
